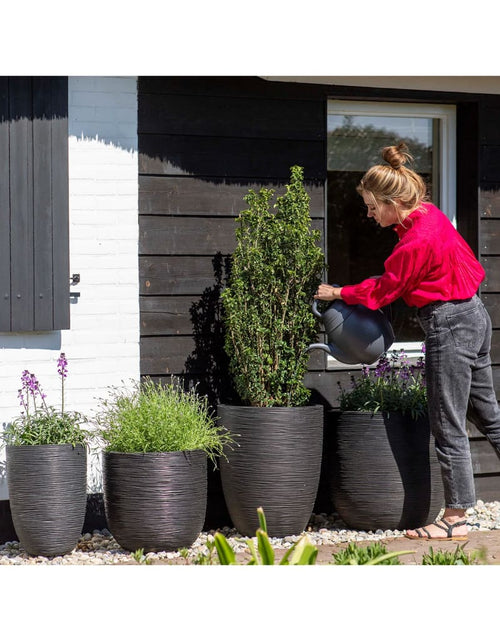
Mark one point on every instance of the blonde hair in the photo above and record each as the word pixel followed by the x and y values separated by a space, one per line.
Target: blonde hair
pixel 392 182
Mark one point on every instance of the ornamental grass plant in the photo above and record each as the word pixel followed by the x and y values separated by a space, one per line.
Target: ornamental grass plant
pixel 149 417
pixel 42 424
pixel 393 385
pixel 276 267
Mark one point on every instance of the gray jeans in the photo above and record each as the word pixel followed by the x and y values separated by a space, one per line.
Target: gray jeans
pixel 459 386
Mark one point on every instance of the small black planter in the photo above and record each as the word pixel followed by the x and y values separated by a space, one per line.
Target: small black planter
pixel 384 471
pixel 48 496
pixel 275 465
pixel 156 500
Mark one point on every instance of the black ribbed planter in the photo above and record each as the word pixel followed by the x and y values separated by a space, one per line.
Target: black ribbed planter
pixel 48 496
pixel 384 471
pixel 275 465
pixel 155 500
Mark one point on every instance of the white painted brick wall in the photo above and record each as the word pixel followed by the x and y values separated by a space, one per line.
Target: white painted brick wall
pixel 102 345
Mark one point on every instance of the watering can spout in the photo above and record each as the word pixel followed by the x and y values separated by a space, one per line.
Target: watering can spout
pixel 324 346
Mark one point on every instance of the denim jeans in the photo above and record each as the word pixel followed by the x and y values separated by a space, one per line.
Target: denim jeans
pixel 459 386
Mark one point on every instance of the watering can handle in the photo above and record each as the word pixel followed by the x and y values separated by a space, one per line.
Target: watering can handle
pixel 315 310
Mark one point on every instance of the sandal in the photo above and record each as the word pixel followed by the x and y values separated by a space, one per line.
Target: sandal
pixel 447 527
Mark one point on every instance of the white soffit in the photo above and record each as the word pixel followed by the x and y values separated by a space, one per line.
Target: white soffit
pixel 468 84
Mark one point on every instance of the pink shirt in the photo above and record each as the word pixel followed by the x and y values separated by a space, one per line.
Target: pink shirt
pixel 431 262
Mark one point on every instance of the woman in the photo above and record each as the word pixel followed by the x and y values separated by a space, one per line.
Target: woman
pixel 432 268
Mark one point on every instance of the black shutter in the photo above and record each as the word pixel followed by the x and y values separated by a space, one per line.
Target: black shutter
pixel 34 226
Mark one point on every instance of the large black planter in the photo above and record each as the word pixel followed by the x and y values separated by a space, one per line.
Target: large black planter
pixel 156 500
pixel 48 496
pixel 275 465
pixel 384 471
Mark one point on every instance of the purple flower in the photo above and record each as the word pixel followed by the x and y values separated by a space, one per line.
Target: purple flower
pixel 62 365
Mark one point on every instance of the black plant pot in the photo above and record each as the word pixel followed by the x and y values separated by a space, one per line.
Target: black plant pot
pixel 48 496
pixel 155 500
pixel 384 473
pixel 275 465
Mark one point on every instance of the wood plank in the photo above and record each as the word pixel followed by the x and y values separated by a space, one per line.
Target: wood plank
pixel 489 119
pixel 491 266
pixel 489 162
pixel 213 196
pixel 42 202
pixel 492 304
pixel 211 156
pixel 495 347
pixel 231 116
pixel 60 201
pixel 167 355
pixel 484 458
pixel 21 197
pixel 487 487
pixel 489 200
pixel 5 293
pixel 179 235
pixel 239 86
pixel 180 275
pixel 490 236
pixel 168 315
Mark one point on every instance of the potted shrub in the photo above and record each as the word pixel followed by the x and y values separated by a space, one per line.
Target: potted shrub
pixel 385 473
pixel 157 439
pixel 276 268
pixel 46 460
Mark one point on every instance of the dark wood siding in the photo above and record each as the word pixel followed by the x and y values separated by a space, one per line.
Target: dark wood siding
pixel 203 142
pixel 34 239
pixel 200 151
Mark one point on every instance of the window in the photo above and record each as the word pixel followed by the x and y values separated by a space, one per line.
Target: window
pixel 357 131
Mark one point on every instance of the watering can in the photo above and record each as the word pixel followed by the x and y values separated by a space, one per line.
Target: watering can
pixel 355 333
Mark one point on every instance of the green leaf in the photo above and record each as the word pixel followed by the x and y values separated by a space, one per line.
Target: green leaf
pixel 224 551
pixel 265 548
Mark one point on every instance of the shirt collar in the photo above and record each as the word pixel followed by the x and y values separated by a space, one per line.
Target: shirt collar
pixel 402 229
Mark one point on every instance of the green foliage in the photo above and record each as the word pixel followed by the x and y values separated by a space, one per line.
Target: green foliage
pixel 302 552
pixel 276 268
pixel 393 385
pixel 373 554
pixel 447 557
pixel 42 424
pixel 159 418
pixel 140 557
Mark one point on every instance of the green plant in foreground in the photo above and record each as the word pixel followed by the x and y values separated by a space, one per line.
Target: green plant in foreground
pixel 372 554
pixel 457 557
pixel 159 418
pixel 140 557
pixel 276 267
pixel 302 552
pixel 41 424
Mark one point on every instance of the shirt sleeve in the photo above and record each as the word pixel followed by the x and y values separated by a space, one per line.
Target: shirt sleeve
pixel 402 270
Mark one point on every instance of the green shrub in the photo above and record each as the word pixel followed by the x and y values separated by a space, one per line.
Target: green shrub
pixel 276 268
pixel 159 418
pixel 372 554
pixel 447 557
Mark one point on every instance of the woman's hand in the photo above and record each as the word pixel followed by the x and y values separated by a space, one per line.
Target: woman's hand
pixel 327 292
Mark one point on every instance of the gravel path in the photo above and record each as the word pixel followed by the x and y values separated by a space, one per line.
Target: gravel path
pixel 100 548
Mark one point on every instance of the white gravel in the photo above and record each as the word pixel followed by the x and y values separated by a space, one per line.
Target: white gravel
pixel 100 548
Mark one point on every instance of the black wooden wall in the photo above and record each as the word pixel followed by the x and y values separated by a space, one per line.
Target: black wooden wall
pixel 202 143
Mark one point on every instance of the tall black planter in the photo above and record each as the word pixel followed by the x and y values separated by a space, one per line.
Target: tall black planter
pixel 48 496
pixel 384 471
pixel 156 500
pixel 275 465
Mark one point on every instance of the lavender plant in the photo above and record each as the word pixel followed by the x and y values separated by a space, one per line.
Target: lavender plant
pixel 393 385
pixel 42 424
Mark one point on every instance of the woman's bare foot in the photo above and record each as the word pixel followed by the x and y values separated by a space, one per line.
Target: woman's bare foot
pixel 451 527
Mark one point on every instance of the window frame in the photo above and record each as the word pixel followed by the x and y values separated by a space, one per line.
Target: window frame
pixel 446 113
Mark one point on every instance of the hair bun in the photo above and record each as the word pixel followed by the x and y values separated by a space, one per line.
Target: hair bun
pixel 397 155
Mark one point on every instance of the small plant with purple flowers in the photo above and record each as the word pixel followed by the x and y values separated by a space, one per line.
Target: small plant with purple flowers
pixel 42 424
pixel 393 385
